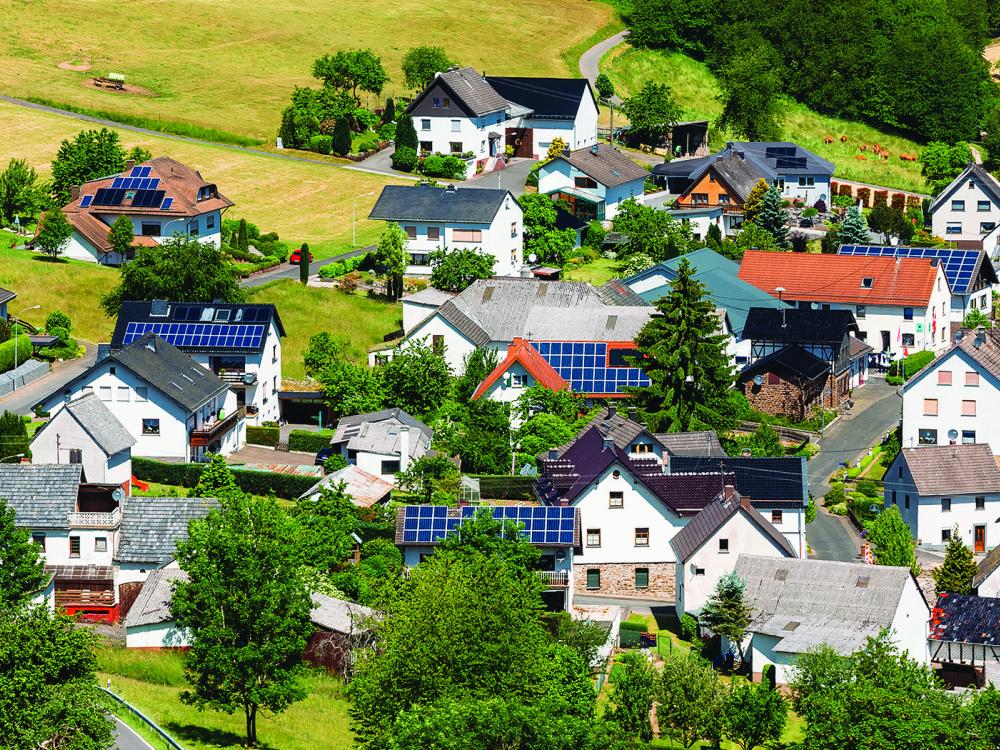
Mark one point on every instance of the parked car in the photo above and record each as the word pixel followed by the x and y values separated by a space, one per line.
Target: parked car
pixel 322 454
pixel 296 257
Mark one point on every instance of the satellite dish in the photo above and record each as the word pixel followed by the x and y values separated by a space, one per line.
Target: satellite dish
pixel 118 495
pixel 758 380
pixel 952 434
pixel 532 258
pixel 560 555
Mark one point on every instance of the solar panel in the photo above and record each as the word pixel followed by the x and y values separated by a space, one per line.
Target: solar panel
pixel 584 365
pixel 86 201
pixel 117 183
pixel 147 198
pixel 958 265
pixel 199 335
pixel 108 197
pixel 140 172
pixel 167 203
pixel 542 524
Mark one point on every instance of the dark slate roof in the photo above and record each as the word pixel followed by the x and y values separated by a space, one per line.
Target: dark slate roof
pixel 349 426
pixel 623 430
pixel 713 517
pixel 6 295
pixel 683 167
pixel 471 89
pixel 760 480
pixel 152 526
pixel 609 166
pixel 739 174
pixel 42 495
pixel 799 326
pixel 566 220
pixel 170 371
pixel 152 606
pixel 791 361
pixel 964 469
pixel 449 205
pixel 547 98
pixel 754 152
pixel 97 421
pixel 966 619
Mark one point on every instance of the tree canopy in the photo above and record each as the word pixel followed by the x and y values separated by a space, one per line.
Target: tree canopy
pixel 90 154
pixel 891 542
pixel 456 270
pixel 421 64
pixel 54 233
pixel 352 71
pixel 650 232
pixel 22 194
pixel 751 94
pixel 22 572
pixel 955 574
pixel 652 111
pixel 392 259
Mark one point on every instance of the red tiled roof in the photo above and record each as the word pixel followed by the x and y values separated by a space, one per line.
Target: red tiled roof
pixel 838 278
pixel 522 351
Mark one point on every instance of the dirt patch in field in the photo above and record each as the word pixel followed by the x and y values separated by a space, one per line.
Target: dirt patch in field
pixel 127 88
pixel 992 54
pixel 75 67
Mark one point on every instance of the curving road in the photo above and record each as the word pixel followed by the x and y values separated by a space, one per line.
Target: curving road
pixel 590 61
pixel 127 739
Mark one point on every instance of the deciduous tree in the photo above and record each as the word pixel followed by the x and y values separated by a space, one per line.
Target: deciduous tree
pixel 605 88
pixel 91 154
pixel 121 236
pixel 754 714
pixel 54 233
pixel 416 379
pixel 891 541
pixel 353 71
pixel 421 64
pixel 433 478
pixel 22 572
pixel 689 699
pixel 476 365
pixel 651 232
pixel 455 270
pixel 941 163
pixel 955 574
pixel 391 259
pixel 633 686
pixel 652 111
pixel 21 192
pixel 751 94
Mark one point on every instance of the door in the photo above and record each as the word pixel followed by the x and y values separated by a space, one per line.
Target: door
pixel 979 538
pixel 521 141
pixel 885 341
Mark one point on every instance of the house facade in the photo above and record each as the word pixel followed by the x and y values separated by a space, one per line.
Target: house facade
pixel 594 181
pixel 382 443
pixel 968 210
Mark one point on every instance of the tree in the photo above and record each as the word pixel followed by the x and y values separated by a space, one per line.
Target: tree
pixel 751 94
pixel 498 539
pixel 483 441
pixel 984 712
pixel 391 259
pixel 941 163
pixel 541 236
pixel 432 478
pixel 217 481
pixel 633 685
pixel 650 232
pixel 889 221
pixel 121 236
pixel 754 715
pixel 342 137
pixel 325 524
pixel 22 572
pixel 247 608
pixel 542 432
pixel 727 613
pixel 853 231
pixel 351 389
pixel 891 542
pixel 476 365
pixel 421 65
pixel 455 270
pixel 755 200
pixel 21 193
pixel 352 70
pixel 91 154
pixel 14 440
pixel 652 112
pixel 689 700
pixel 976 319
pixel 53 234
pixel 322 351
pixel 684 355
pixel 406 135
pixel 713 237
pixel 416 379
pixel 955 574
pixel 242 240
pixel 772 218
pixel 605 88
pixel 991 141
pixel 389 113
pixel 304 264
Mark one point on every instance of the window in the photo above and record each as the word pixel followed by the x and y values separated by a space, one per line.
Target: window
pixel 980 502
pixel 724 199
pixel 807 181
pixel 930 407
pixel 946 505
pixel 699 571
pixel 445 103
pixel 101 544
pixel 723 546
pixel 584 182
pixel 697 198
pixel 894 497
pixel 867 282
pixel 906 502
pixel 419 259
pixel 944 377
pixel 210 221
pixel 958 205
pixel 860 312
pixel 711 176
pixel 908 339
pixel 411 232
pixel 968 437
pixel 123 393
pixel 141 393
pixel 455 147
pixel 968 408
pixel 151 427
pixel 953 227
pixel 426 147
pixel 39 539
pixel 74 546
pixel 192 227
pixel 456 126
pixel 390 466
pixel 907 313
pixel 513 229
pixel 425 124
pixel 150 229
pixel 642 537
pixel 945 535
pixel 104 392
pixel 983 206
pixel 642 578
pixel 899 472
pixel 985 227
pixel 433 233
pixel 436 102
pixel 517 381
pixel 775 516
pixel 437 344
pixel 274 353
pixel 75 455
pixel 616 499
pixel 972 379
pixel 927 437
pixel 593 578
pixel 642 448
pixel 467 235
pixel 593 537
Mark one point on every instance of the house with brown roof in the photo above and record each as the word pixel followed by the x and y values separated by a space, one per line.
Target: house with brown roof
pixel 901 305
pixel 161 197
pixel 941 490
pixel 593 181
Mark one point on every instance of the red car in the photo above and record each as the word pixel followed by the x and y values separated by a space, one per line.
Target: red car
pixel 296 257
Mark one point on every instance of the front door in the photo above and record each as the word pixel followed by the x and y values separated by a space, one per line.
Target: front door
pixel 885 341
pixel 979 538
pixel 521 141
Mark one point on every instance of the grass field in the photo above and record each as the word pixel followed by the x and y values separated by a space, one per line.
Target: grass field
pixel 596 272
pixel 695 89
pixel 232 65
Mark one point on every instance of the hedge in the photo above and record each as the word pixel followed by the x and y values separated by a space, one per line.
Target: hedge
pixel 504 487
pixel 333 270
pixel 268 436
pixel 911 366
pixel 308 442
pixel 287 486
pixel 24 351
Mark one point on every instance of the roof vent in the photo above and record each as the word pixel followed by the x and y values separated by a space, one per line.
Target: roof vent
pixel 612 322
pixel 594 149
pixel 553 454
pixel 862 582
pixel 158 308
pixel 543 289
pixel 791 626
pixel 980 337
pixel 488 293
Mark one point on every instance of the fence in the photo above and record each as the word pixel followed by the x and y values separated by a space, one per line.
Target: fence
pixel 166 739
pixel 25 373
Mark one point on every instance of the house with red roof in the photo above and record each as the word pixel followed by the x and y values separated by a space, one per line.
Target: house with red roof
pixel 901 305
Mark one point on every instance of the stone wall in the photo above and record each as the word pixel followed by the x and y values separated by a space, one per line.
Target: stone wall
pixel 618 579
pixel 25 373
pixel 779 399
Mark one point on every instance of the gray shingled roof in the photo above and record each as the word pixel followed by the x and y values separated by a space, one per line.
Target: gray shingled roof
pixel 98 422
pixel 952 469
pixel 448 205
pixel 739 174
pixel 986 567
pixel 6 295
pixel 598 323
pixel 340 616
pixel 152 606
pixel 988 181
pixel 713 517
pixel 700 444
pixel 42 495
pixel 349 426
pixel 477 95
pixel 608 166
pixel 152 526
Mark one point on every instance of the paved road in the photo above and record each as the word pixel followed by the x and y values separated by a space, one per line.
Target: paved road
pixel 127 739
pixel 21 400
pixel 288 271
pixel 876 410
pixel 512 177
pixel 590 61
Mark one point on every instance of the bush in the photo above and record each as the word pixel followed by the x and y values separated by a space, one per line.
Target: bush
pixel 387 131
pixel 371 143
pixel 911 366
pixel 404 159
pixel 287 486
pixel 335 462
pixel 321 144
pixel 799 241
pixel 809 212
pixel 308 442
pixel 7 351
pixel 689 628
pixel 268 436
pixel 58 319
pixel 864 196
pixel 880 198
pixel 449 167
pixel 333 270
pixel 635 627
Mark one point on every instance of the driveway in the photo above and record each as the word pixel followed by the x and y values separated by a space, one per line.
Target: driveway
pixel 288 271
pixel 23 399
pixel 512 177
pixel 590 61
pixel 257 454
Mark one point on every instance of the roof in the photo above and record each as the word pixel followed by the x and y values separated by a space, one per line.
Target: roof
pixel 769 158
pixel 799 325
pixel 964 469
pixel 6 295
pixel 741 175
pixel 623 430
pixel 42 495
pixel 762 480
pixel 97 421
pixel 701 443
pixel 592 323
pixel 985 179
pixel 523 353
pixel 606 165
pixel 547 98
pixel 617 292
pixel 842 278
pixel 541 525
pixel 804 603
pixel 987 566
pixel 962 267
pixel 448 205
pixel 339 615
pixel 152 606
pixel 713 517
pixel 431 297
pixel 152 526
pixel 987 354
pixel 211 327
pixel 378 432
pixel 958 618
pixel 470 88
pixel 859 347
pixel 788 360
pixel 365 489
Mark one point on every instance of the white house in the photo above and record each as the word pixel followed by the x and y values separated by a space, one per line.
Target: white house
pixel 382 443
pixel 240 343
pixel 901 305
pixel 149 623
pixel 419 306
pixel 707 548
pixel 941 488
pixel 172 407
pixel 955 399
pixel 85 432
pixel 968 210
pixel 482 219
pixel 161 197
pixel 593 181
pixel 798 604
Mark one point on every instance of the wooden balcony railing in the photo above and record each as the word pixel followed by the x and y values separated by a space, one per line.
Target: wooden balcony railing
pixel 554 579
pixel 208 432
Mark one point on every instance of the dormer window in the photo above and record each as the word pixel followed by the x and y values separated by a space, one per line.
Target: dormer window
pixel 222 316
pixel 867 282
pixel 204 193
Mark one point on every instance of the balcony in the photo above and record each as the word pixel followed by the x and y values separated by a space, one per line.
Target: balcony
pixel 238 378
pixel 210 431
pixel 95 520
pixel 554 579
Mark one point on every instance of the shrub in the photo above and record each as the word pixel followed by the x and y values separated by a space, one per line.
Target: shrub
pixel 799 241
pixel 371 143
pixel 321 144
pixel 387 131
pixel 820 206
pixel 911 365
pixel 809 212
pixel 880 198
pixel 843 201
pixel 7 351
pixel 845 190
pixel 268 436
pixel 449 167
pixel 404 159
pixel 898 201
pixel 335 462
pixel 689 628
pixel 635 627
pixel 350 282
pixel 308 442
pixel 864 196
pixel 868 488
pixel 58 319
pixel 287 486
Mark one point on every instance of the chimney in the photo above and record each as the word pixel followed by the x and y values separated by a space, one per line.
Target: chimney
pixel 566 152
pixel 633 414
pixel 594 149
pixel 129 164
pixel 74 192
pixel 980 337
pixel 404 448
pixel 728 491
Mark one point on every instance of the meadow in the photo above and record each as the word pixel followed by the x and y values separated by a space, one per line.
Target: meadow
pixel 231 65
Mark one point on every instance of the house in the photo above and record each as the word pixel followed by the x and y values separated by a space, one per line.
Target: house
pixel 554 530
pixel 798 604
pixel 173 407
pixel 724 179
pixel 941 488
pixel 964 640
pixel 161 197
pixel 901 305
pixel 149 623
pixel 593 181
pixel 707 548
pixel 954 218
pixel 85 432
pixel 342 627
pixel 382 443
pixel 5 297
pixel 969 273
pixel 240 343
pixel 955 398
pixel 419 306
pixel 986 582
pixel 800 358
pixel 364 488
pixel 482 219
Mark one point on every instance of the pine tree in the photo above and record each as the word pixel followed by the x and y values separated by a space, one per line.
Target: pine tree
pixel 773 218
pixel 241 237
pixel 713 237
pixel 684 354
pixel 406 136
pixel 854 231
pixel 217 481
pixel 341 137
pixel 955 574
pixel 727 613
pixel 389 113
pixel 121 236
pixel 752 205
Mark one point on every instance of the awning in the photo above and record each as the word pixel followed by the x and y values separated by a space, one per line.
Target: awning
pixel 495 136
pixel 581 194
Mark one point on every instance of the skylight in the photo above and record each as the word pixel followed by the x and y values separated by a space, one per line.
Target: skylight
pixel 867 282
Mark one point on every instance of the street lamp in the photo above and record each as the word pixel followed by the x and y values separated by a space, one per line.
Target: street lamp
pixel 354 217
pixel 16 455
pixel 16 337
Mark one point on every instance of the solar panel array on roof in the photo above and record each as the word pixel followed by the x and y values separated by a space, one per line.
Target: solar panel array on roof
pixel 207 313
pixel 586 366
pixel 109 196
pixel 135 183
pixel 147 198
pixel 790 162
pixel 184 335
pixel 959 265
pixel 547 525
pixel 140 172
pixel 775 152
pixel 167 203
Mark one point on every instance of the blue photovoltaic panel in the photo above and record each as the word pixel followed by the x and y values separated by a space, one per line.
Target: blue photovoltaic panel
pixel 584 365
pixel 958 265
pixel 118 182
pixel 86 201
pixel 167 203
pixel 203 335
pixel 542 524
pixel 140 172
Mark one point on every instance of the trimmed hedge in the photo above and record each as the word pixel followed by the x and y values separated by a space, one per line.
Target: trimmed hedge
pixel 287 486
pixel 911 366
pixel 308 442
pixel 24 352
pixel 333 270
pixel 268 436
pixel 503 487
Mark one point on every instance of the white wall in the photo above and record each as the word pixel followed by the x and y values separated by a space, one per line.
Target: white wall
pixel 415 313
pixel 473 132
pixel 457 346
pixel 560 174
pixel 57 546
pixel 762 651
pixel 909 624
pixel 616 195
pixel 161 635
pixel 62 434
pixel 968 219
pixel 990 585
pixel 206 228
pixel 809 194
pixel 579 133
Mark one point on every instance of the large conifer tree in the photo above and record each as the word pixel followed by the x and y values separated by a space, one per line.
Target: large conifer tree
pixel 955 574
pixel 772 218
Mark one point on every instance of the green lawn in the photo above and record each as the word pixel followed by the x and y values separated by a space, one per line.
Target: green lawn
pixel 695 89
pixel 596 272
